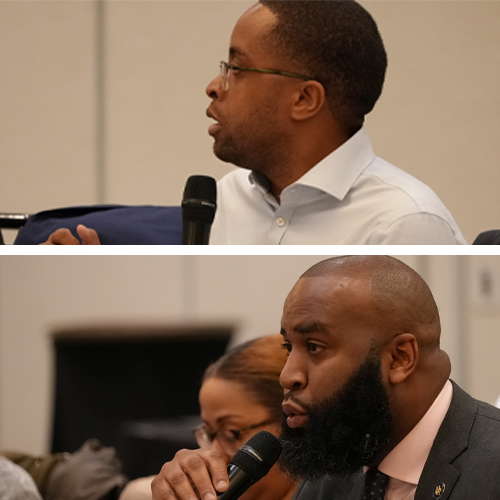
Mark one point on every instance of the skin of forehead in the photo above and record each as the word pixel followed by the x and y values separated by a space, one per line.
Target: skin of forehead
pixel 352 294
pixel 249 28
pixel 345 292
pixel 222 399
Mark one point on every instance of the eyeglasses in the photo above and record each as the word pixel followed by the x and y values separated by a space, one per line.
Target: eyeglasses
pixel 226 67
pixel 227 437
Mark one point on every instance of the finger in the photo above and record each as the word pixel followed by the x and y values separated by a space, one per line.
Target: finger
pixel 62 236
pixel 191 472
pixel 160 489
pixel 88 236
pixel 217 464
pixel 197 470
pixel 172 484
pixel 216 467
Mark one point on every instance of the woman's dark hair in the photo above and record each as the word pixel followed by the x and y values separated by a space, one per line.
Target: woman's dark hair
pixel 257 366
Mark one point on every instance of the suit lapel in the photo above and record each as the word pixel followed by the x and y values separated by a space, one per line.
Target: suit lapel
pixel 439 475
pixel 349 488
pixel 357 489
pixel 345 487
pixel 438 481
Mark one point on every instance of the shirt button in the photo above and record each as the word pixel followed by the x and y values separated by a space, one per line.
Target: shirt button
pixel 280 221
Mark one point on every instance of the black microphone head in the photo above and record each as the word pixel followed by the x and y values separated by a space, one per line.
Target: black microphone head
pixel 199 201
pixel 258 455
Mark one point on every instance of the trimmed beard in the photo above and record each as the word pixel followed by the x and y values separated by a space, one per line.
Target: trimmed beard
pixel 343 432
pixel 256 141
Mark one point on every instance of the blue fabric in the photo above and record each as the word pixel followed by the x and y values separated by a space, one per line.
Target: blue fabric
pixel 115 224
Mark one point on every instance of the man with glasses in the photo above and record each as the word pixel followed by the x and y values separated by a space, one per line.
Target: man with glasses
pixel 289 108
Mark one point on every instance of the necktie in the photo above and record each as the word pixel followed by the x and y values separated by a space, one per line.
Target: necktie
pixel 375 485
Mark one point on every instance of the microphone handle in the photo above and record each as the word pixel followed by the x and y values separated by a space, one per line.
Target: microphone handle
pixel 239 482
pixel 195 233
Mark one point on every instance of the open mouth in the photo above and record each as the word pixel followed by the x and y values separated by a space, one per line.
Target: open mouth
pixel 214 127
pixel 296 416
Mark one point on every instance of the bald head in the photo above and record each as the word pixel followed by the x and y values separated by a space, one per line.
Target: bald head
pixel 347 313
pixel 398 298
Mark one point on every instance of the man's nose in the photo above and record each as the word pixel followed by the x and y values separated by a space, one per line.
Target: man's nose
pixel 215 88
pixel 293 375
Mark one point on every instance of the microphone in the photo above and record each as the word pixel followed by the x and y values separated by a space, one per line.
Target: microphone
pixel 251 463
pixel 199 204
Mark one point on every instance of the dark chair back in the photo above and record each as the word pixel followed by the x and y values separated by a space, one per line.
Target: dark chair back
pixel 488 238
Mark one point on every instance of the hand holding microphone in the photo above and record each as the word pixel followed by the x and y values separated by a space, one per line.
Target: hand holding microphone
pixel 199 474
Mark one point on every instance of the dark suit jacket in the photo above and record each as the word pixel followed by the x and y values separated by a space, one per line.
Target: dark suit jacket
pixel 465 458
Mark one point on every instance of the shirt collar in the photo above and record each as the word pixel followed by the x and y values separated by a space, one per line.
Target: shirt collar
pixel 406 461
pixel 337 172
pixel 261 182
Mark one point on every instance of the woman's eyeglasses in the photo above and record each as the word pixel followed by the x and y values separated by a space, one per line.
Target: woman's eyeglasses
pixel 227 437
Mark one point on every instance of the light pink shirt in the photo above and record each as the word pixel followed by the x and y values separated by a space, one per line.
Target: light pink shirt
pixel 404 464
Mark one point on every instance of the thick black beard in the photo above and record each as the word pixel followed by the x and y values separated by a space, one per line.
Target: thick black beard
pixel 343 432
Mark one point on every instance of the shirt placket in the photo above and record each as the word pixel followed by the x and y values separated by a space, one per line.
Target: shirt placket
pixel 283 215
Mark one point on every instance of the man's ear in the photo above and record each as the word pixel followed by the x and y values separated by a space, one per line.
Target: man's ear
pixel 309 99
pixel 404 353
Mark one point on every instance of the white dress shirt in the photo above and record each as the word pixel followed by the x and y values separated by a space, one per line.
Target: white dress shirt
pixel 351 197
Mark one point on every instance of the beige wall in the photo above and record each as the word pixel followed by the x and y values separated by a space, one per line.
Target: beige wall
pixel 39 293
pixel 439 116
pixel 47 104
pixel 104 101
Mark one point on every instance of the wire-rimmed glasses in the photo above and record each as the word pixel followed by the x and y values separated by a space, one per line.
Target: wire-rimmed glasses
pixel 225 68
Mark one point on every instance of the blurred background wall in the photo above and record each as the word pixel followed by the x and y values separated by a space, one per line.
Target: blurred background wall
pixel 42 294
pixel 103 101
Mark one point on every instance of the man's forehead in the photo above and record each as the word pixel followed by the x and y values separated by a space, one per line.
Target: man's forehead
pixel 325 286
pixel 250 27
pixel 323 296
pixel 257 15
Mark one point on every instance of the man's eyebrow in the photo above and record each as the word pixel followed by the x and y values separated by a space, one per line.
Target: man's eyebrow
pixel 311 328
pixel 235 51
pixel 308 328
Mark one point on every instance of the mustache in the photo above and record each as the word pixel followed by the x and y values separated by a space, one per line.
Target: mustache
pixel 289 396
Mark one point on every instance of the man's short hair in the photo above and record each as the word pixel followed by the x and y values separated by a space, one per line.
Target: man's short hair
pixel 337 43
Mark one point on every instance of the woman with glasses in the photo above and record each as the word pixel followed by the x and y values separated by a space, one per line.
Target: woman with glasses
pixel 240 396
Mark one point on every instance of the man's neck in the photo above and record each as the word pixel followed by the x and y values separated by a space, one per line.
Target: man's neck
pixel 408 414
pixel 299 164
